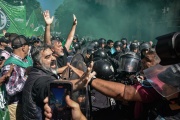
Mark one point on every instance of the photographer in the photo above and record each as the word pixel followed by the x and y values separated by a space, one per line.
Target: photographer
pixel 44 71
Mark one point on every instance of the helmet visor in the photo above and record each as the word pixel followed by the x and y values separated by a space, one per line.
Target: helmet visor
pixel 129 64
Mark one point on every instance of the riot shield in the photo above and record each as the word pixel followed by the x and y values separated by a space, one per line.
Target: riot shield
pixel 81 96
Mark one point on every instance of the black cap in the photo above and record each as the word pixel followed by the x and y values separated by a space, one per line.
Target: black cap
pixel 19 41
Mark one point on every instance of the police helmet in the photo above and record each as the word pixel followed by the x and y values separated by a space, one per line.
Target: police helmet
pixel 129 62
pixel 102 41
pixel 118 43
pixel 133 46
pixel 99 54
pixel 103 69
pixel 94 45
pixel 124 41
pixel 76 46
pixel 75 37
pixel 90 51
pixel 144 46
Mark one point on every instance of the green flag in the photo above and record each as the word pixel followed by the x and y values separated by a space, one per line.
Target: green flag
pixel 32 27
pixel 12 18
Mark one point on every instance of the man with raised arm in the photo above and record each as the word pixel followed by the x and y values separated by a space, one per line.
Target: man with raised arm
pixel 61 52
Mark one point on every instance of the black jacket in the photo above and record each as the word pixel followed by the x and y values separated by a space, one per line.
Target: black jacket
pixel 37 82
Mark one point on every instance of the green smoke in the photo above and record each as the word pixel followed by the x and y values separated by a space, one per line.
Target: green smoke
pixel 132 19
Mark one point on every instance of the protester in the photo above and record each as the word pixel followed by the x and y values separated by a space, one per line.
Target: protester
pixel 61 52
pixel 36 86
pixel 16 81
pixel 3 47
pixel 3 43
pixel 4 112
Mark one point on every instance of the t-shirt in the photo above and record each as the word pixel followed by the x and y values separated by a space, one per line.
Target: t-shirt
pixel 62 60
pixel 147 94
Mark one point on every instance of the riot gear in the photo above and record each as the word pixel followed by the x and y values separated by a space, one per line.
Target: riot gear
pixel 129 63
pixel 118 43
pixel 102 41
pixel 94 45
pixel 90 51
pixel 76 46
pixel 75 37
pixel 103 69
pixel 99 54
pixel 133 46
pixel 144 46
pixel 124 41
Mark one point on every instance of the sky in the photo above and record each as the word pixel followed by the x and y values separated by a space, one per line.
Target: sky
pixel 50 5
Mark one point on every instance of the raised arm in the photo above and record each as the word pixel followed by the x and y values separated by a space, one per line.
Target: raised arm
pixel 71 34
pixel 48 20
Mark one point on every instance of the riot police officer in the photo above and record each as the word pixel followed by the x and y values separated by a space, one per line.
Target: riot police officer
pixel 118 50
pixel 125 43
pixel 103 107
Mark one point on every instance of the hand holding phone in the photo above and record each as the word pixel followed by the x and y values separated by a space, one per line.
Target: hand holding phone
pixel 57 94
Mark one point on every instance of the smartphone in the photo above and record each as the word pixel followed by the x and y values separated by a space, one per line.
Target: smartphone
pixel 57 93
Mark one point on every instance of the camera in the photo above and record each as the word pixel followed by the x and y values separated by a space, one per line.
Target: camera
pixel 167 48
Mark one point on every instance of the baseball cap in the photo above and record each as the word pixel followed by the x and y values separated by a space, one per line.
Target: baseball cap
pixel 164 79
pixel 19 41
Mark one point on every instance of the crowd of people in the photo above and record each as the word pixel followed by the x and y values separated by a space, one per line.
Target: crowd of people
pixel 110 84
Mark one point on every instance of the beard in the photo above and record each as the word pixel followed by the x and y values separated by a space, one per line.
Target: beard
pixel 59 53
pixel 48 68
